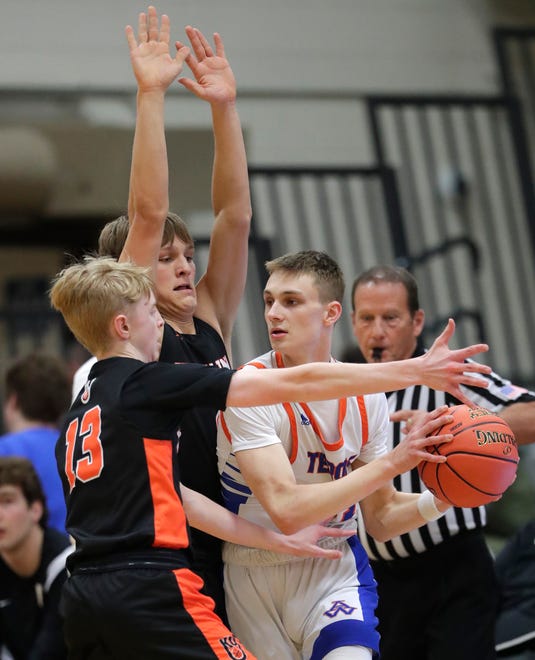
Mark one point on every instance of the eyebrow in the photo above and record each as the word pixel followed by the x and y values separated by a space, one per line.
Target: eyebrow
pixel 287 292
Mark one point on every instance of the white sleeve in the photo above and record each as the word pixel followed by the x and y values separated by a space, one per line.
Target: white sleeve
pixel 251 428
pixel 378 424
pixel 80 376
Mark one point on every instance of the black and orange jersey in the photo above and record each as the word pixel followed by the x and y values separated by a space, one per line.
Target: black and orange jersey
pixel 198 459
pixel 117 456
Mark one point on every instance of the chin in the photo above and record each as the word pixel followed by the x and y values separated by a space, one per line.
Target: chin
pixel 186 302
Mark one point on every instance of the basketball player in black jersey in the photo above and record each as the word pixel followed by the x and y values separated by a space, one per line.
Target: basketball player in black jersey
pixel 132 592
pixel 199 316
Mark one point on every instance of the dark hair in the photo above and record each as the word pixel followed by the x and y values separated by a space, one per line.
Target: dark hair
pixel 42 386
pixel 18 471
pixel 393 275
pixel 326 272
pixel 113 235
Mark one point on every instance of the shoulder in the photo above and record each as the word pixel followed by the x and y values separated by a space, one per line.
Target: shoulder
pixel 81 375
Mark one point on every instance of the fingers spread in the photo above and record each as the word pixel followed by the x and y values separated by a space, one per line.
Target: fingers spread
pixel 130 38
pixel 205 43
pixel 142 27
pixel 153 24
pixel 165 29
pixel 219 49
pixel 195 42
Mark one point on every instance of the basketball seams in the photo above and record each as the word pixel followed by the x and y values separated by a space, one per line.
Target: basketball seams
pixel 483 422
pixel 459 476
pixel 479 468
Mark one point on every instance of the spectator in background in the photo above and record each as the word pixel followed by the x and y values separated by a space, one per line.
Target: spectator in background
pixel 455 617
pixel 32 566
pixel 515 567
pixel 37 394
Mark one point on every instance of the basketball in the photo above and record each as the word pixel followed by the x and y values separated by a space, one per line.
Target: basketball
pixel 482 459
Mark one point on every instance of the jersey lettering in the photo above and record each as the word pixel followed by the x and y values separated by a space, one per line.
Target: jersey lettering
pixel 90 465
pixel 318 463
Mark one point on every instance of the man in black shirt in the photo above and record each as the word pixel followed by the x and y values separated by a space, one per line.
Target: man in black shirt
pixel 32 566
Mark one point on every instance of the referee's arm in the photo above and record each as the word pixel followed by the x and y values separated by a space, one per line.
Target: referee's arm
pixel 521 418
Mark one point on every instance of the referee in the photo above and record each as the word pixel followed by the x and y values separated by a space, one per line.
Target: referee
pixel 437 585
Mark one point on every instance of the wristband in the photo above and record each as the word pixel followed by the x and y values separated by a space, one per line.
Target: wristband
pixel 427 507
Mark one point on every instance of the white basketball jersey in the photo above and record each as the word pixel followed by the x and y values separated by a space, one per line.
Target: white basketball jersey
pixel 321 440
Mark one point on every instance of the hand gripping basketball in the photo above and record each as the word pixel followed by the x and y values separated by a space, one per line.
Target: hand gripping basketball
pixel 481 461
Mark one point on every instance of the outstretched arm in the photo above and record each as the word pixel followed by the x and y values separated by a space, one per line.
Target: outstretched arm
pixel 221 288
pixel 441 368
pixel 214 519
pixel 148 199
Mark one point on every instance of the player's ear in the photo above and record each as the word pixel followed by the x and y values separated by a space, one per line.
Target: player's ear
pixel 36 510
pixel 120 327
pixel 418 322
pixel 333 312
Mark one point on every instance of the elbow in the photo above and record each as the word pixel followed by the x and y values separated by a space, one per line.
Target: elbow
pixel 237 218
pixel 379 535
pixel 147 211
pixel 287 526
pixel 287 523
pixel 377 531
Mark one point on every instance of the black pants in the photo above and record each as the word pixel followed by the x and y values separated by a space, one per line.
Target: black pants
pixel 440 605
pixel 143 614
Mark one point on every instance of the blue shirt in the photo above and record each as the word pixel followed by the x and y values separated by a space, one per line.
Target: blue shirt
pixel 38 446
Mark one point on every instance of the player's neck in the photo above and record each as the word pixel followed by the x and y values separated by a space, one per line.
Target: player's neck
pixel 295 358
pixel 182 327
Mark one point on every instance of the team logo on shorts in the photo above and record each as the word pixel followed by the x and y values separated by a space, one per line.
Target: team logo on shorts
pixel 339 607
pixel 234 649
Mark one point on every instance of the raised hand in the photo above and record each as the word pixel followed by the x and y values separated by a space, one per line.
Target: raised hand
pixel 153 66
pixel 446 369
pixel 214 81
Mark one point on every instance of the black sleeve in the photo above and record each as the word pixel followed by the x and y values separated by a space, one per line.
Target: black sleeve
pixel 170 386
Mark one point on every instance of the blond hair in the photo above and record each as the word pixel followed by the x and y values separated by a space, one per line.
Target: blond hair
pixel 90 293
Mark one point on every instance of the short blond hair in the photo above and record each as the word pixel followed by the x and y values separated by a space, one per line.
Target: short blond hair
pixel 90 293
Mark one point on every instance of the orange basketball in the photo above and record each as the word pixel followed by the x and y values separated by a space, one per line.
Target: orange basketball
pixel 482 459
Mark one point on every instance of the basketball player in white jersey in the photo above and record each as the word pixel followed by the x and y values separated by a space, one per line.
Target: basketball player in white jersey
pixel 283 466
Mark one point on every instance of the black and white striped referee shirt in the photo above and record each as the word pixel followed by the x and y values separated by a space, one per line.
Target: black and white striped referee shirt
pixel 500 393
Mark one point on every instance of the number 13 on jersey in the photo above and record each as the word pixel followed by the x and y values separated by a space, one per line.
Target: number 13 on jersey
pixel 87 433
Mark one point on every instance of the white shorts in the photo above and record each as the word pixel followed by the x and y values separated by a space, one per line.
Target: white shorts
pixel 303 609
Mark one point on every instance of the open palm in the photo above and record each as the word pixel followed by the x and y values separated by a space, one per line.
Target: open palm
pixel 214 80
pixel 153 66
